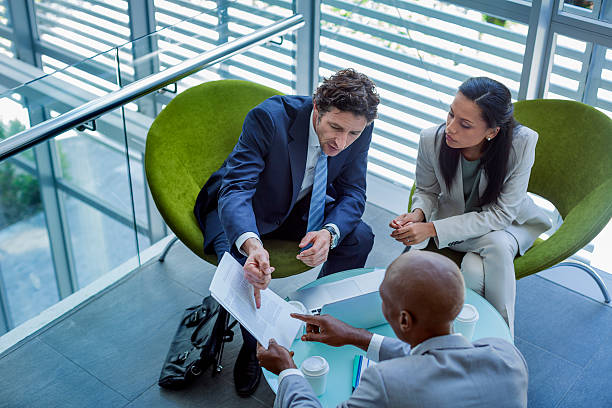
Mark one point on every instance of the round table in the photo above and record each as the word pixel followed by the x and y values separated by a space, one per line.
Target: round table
pixel 340 359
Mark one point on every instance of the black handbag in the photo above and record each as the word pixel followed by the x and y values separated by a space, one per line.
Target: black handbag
pixel 197 344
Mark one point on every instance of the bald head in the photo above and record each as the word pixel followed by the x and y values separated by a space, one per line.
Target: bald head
pixel 427 285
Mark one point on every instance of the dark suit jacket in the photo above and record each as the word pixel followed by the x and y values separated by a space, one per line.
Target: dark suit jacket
pixel 257 186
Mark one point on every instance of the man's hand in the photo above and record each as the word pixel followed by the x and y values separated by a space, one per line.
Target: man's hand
pixel 276 358
pixel 416 216
pixel 317 253
pixel 333 332
pixel 414 233
pixel 257 269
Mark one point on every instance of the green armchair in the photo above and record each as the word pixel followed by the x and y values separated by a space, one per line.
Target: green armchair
pixel 187 142
pixel 572 170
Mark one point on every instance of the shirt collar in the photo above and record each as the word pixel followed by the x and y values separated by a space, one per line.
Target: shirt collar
pixel 313 139
pixel 454 340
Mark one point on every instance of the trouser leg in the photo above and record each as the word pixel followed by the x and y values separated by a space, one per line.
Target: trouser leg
pixel 472 269
pixel 497 250
pixel 351 253
pixel 220 246
pixel 247 372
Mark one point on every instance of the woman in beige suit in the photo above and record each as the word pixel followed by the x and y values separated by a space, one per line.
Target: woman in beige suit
pixel 471 191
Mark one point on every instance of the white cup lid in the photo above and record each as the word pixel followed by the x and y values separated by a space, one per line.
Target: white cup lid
pixel 468 313
pixel 314 366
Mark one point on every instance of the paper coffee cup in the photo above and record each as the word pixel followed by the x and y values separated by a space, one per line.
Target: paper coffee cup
pixel 465 323
pixel 315 370
pixel 302 310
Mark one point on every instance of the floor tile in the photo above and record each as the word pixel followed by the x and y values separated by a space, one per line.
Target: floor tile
pixel 594 387
pixel 186 268
pixel 264 394
pixel 561 321
pixel 385 249
pixel 123 337
pixel 37 376
pixel 202 393
pixel 206 391
pixel 549 375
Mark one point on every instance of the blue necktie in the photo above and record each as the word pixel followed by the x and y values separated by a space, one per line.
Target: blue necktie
pixel 317 201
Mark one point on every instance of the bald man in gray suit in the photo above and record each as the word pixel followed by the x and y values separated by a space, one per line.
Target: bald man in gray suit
pixel 422 293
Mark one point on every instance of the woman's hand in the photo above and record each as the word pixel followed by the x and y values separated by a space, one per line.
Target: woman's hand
pixel 403 219
pixel 414 233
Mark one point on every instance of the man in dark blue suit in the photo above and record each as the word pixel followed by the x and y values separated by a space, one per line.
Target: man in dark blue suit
pixel 297 172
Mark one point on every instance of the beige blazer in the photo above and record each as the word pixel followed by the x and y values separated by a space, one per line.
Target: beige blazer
pixel 514 210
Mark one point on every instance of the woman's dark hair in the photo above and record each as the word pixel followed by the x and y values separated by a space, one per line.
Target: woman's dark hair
pixel 495 103
pixel 348 91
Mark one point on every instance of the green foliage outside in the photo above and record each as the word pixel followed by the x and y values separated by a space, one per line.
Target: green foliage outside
pixel 19 191
pixel 494 20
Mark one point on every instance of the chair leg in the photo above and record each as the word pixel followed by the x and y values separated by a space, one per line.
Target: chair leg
pixel 590 271
pixel 162 257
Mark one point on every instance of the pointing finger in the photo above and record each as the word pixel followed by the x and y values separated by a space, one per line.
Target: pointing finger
pixel 257 297
pixel 306 318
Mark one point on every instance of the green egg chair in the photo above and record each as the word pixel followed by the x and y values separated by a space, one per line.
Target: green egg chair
pixel 187 142
pixel 572 170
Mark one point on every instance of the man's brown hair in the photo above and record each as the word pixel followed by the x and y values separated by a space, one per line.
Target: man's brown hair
pixel 349 91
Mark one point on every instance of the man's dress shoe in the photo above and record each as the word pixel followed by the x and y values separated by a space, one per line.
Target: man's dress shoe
pixel 247 372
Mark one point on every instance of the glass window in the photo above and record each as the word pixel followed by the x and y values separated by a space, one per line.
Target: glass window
pixel 569 71
pixel 604 88
pixel 418 54
pixel 595 9
pixel 97 197
pixel 100 243
pixel 573 78
pixel 579 7
pixel 272 64
pixel 6 43
pixel 27 275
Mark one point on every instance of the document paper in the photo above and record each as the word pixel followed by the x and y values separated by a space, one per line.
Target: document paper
pixel 235 294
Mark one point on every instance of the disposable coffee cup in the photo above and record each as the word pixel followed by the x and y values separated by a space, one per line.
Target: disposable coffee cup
pixel 465 323
pixel 302 310
pixel 315 370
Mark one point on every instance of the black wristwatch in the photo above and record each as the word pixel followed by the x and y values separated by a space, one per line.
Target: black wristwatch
pixel 334 237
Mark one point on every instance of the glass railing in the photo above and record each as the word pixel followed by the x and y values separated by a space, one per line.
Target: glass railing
pixel 107 71
pixel 74 204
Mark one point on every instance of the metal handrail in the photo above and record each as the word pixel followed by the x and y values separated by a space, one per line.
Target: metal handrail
pixel 94 109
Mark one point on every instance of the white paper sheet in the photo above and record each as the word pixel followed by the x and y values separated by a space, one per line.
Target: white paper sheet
pixel 235 294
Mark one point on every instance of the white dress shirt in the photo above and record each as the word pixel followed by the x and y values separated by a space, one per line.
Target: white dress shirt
pixel 314 151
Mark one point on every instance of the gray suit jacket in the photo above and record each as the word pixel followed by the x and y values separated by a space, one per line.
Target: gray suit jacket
pixel 514 210
pixel 444 371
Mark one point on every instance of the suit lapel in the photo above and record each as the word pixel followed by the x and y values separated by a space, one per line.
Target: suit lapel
pixel 298 148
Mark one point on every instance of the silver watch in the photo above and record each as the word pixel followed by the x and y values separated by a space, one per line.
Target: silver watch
pixel 334 236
